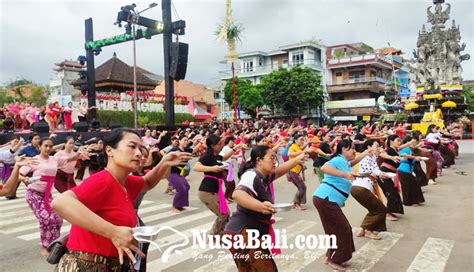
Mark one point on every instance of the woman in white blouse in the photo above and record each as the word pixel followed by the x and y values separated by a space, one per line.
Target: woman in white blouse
pixel 365 190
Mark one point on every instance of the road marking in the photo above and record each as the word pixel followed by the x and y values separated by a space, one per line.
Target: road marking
pixel 302 261
pixel 368 255
pixel 228 264
pixel 433 256
pixel 35 225
pixel 166 214
pixel 36 235
pixel 7 204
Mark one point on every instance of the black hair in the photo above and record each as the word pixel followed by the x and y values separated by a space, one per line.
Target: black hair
pixel 297 136
pixel 368 143
pixel 211 141
pixel 258 151
pixel 323 135
pixel 343 144
pixel 391 138
pixel 182 136
pixel 116 135
pixel 430 128
pixel 32 136
pixel 258 138
pixel 44 139
pixel 68 138
pixel 416 134
pixel 407 139
pixel 228 139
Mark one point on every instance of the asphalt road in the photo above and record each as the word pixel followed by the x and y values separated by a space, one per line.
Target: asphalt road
pixel 437 236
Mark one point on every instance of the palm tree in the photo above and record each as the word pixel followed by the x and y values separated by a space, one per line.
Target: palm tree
pixel 230 32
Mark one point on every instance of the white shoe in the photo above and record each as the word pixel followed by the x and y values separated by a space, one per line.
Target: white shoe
pixel 432 182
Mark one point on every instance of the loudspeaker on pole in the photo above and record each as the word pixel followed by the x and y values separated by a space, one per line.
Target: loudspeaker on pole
pixel 179 60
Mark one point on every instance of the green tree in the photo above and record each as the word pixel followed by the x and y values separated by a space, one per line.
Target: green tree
pixel 38 95
pixel 249 96
pixel 292 90
pixel 241 86
pixel 469 95
pixel 4 98
pixel 250 99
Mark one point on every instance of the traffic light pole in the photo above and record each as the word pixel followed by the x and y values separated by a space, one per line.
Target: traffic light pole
pixel 169 82
pixel 91 95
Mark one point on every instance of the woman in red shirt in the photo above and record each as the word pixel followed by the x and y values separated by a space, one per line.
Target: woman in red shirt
pixel 100 209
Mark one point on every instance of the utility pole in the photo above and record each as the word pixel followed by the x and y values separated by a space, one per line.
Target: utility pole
pixel 91 95
pixel 169 81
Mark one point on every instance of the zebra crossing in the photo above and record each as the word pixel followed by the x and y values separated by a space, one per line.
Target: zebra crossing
pixel 16 219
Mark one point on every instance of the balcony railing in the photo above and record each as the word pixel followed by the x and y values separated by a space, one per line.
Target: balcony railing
pixel 267 69
pixel 359 80
pixel 359 58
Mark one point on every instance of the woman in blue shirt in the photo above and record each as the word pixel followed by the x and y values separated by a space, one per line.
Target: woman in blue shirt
pixel 411 190
pixel 331 196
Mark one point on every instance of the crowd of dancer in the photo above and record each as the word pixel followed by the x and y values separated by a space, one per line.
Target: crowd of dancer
pixel 24 115
pixel 123 165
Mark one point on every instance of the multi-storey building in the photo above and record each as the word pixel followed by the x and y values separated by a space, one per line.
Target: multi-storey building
pixel 253 65
pixel 357 76
pixel 60 84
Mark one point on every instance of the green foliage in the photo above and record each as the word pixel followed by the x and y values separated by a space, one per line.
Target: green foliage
pixel 401 117
pixel 125 118
pixel 338 54
pixel 143 120
pixel 232 31
pixel 4 98
pixel 38 95
pixel 249 96
pixel 290 90
pixel 469 95
pixel 17 87
pixel 367 47
pixel 19 82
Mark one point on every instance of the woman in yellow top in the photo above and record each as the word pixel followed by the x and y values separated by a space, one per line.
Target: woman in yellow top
pixel 296 149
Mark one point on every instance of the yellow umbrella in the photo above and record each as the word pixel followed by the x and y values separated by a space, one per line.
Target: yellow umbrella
pixel 411 106
pixel 448 104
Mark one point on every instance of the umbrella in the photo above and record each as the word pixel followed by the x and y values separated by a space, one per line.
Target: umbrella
pixel 448 104
pixel 411 106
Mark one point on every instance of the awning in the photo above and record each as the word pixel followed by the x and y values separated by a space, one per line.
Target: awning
pixel 197 112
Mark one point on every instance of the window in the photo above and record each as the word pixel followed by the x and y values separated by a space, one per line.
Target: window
pixel 248 65
pixel 357 75
pixel 298 57
pixel 285 63
pixel 274 63
pixel 217 95
pixel 260 62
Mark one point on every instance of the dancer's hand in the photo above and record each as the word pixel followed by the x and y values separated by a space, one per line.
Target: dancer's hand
pixel 23 161
pixel 122 238
pixel 177 158
pixel 266 207
pixel 301 158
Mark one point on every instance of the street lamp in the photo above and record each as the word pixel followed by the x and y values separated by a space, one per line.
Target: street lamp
pixel 135 96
